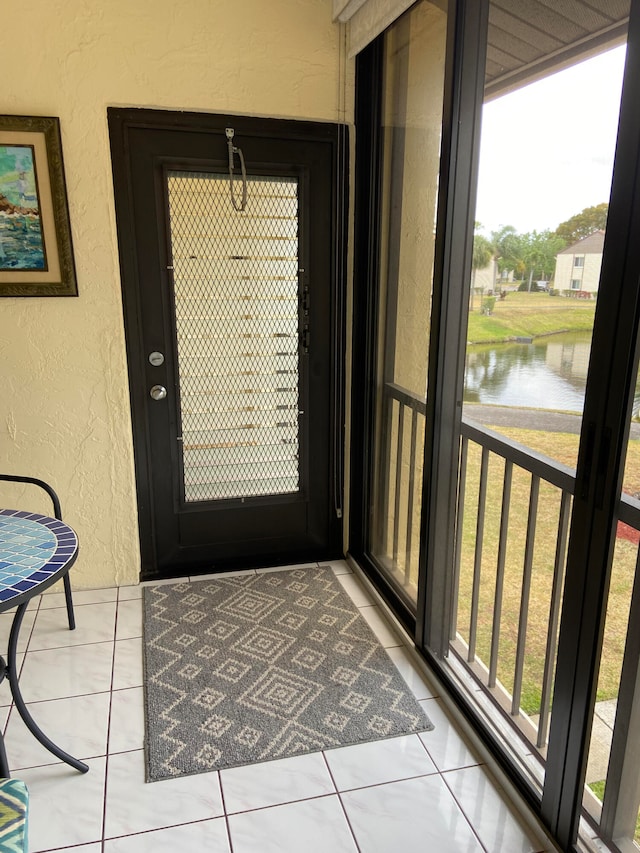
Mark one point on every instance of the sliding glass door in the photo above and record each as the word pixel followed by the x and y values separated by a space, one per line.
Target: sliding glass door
pixel 413 51
pixel 504 530
pixel 535 286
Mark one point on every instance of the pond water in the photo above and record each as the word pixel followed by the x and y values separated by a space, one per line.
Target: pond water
pixel 549 373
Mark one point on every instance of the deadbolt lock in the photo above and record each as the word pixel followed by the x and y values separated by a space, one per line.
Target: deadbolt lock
pixel 158 392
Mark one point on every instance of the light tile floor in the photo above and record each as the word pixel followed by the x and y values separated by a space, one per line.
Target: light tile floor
pixel 426 792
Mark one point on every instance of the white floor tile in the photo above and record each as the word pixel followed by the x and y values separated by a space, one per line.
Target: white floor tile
pixel 126 726
pixel 355 589
pixel 129 622
pixel 312 826
pixel 135 806
pixel 413 816
pixel 74 671
pixel 378 762
pixel 77 725
pixel 391 790
pixel 65 807
pixel 416 682
pixel 491 817
pixel 164 581
pixel 207 835
pixel 380 627
pixel 80 597
pixel 272 783
pixel 95 623
pixel 445 745
pixel 6 619
pixel 127 665
pixel 127 593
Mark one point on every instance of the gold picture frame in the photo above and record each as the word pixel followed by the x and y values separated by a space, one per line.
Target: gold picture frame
pixel 36 255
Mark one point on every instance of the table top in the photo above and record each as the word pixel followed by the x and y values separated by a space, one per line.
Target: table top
pixel 35 551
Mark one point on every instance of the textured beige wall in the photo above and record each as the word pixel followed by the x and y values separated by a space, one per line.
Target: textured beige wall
pixel 423 126
pixel 64 411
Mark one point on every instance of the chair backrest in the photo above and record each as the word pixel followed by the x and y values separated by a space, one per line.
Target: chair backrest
pixel 15 478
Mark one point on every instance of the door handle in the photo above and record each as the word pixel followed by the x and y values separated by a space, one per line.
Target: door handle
pixel 304 338
pixel 158 392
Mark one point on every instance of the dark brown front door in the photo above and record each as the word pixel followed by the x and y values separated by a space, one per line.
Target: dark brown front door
pixel 231 320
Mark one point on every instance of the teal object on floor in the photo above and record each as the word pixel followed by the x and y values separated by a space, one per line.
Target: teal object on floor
pixel 14 816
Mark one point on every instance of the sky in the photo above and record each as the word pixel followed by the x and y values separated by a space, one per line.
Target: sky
pixel 547 149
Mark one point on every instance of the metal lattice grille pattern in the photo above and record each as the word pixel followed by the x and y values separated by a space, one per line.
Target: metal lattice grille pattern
pixel 236 302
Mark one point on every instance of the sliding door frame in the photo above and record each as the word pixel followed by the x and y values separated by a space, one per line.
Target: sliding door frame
pixel 366 314
pixel 460 150
pixel 605 431
pixel 604 436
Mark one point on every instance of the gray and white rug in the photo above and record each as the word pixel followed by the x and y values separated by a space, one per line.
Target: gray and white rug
pixel 263 666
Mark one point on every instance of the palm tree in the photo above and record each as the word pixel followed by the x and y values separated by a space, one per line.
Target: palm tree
pixel 483 253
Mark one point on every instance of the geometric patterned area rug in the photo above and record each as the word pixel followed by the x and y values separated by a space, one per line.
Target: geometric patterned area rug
pixel 263 666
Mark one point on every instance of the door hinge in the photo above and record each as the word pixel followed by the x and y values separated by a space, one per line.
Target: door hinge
pixel 304 308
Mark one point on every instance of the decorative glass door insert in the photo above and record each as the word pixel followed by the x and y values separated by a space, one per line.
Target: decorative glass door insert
pixel 237 307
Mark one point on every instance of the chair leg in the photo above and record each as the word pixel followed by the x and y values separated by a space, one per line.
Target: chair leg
pixel 69 600
pixel 4 764
pixel 21 708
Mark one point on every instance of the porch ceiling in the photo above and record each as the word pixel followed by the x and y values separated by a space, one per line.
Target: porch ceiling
pixel 529 39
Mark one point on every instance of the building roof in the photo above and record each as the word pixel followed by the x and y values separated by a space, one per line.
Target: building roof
pixel 529 41
pixel 591 245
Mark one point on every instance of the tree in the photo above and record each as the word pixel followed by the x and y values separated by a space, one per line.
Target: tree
pixel 509 249
pixel 483 253
pixel 583 224
pixel 529 256
pixel 540 250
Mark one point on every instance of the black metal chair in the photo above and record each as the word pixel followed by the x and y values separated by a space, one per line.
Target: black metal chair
pixel 11 478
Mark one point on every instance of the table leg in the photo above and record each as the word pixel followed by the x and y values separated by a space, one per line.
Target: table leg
pixel 19 701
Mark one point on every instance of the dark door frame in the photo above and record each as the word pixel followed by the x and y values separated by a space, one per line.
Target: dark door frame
pixel 121 123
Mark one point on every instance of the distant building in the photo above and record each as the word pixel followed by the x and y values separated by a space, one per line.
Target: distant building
pixel 578 266
pixel 489 278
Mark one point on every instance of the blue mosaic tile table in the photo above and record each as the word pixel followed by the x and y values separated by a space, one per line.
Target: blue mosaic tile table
pixel 35 552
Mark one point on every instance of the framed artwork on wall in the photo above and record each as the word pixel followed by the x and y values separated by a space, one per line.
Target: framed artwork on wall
pixel 36 256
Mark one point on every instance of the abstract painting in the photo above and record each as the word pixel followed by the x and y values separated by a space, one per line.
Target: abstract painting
pixel 35 238
pixel 21 239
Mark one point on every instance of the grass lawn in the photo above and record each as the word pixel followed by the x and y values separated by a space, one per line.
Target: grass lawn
pixel 562 447
pixel 530 315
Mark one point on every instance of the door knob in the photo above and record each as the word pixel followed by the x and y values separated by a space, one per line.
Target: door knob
pixel 158 392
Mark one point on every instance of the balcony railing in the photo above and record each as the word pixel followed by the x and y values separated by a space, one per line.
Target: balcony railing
pixel 539 469
pixel 400 483
pixel 512 525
